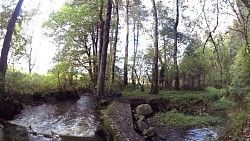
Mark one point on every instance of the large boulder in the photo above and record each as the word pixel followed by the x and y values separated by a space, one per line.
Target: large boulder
pixel 144 109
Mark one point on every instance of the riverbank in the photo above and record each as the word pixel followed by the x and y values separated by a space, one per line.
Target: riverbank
pixel 239 127
pixel 177 110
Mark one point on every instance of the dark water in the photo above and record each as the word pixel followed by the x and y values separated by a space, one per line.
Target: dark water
pixel 67 121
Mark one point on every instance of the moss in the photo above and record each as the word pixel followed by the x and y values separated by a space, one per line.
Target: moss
pixel 106 124
pixel 181 121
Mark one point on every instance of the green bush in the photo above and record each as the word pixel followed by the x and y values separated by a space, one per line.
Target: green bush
pixel 24 83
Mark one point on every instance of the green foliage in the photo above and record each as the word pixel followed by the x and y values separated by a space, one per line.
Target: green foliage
pixel 222 103
pixel 180 121
pixel 23 83
pixel 131 91
pixel 195 67
pixel 241 68
pixel 74 30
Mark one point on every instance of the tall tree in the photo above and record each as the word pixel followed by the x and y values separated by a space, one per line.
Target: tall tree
pixel 6 45
pixel 136 37
pixel 115 41
pixel 103 61
pixel 176 71
pixel 154 82
pixel 125 79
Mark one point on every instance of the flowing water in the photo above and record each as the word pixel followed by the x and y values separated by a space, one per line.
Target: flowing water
pixel 70 120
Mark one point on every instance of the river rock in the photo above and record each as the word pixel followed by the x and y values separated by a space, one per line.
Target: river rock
pixel 144 109
pixel 142 125
pixel 149 132
pixel 141 117
pixel 136 117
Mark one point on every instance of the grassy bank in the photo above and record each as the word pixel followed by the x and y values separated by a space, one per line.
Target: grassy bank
pixel 238 121
pixel 173 119
pixel 208 100
pixel 184 109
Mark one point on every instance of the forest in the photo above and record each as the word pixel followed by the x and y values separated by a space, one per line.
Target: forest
pixel 148 70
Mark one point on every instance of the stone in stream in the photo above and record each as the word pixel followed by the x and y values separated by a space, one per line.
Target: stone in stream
pixel 144 109
pixel 142 125
pixel 136 117
pixel 141 117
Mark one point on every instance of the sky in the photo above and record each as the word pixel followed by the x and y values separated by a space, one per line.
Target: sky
pixel 44 49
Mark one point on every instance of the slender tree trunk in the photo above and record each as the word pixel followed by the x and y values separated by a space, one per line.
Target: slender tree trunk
pixel 103 61
pixel 176 71
pixel 6 45
pixel 136 36
pixel 134 57
pixel 125 77
pixel 115 42
pixel 166 85
pixel 154 82
pixel 101 28
pixel 94 53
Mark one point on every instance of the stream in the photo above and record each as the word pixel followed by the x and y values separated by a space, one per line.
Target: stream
pixel 77 120
pixel 70 120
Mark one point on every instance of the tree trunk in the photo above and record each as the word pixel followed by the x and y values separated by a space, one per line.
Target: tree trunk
pixel 115 42
pixel 176 71
pixel 125 77
pixel 136 37
pixel 134 57
pixel 103 61
pixel 101 28
pixel 6 45
pixel 94 53
pixel 154 82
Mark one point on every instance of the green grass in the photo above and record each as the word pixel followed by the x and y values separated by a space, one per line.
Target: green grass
pixel 181 121
pixel 210 99
pixel 222 103
pixel 209 91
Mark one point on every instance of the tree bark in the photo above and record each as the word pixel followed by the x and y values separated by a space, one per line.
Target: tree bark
pixel 6 45
pixel 176 71
pixel 115 42
pixel 154 82
pixel 125 77
pixel 103 61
